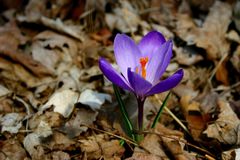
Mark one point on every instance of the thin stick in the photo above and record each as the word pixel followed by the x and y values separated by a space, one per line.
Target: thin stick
pixel 109 133
pixel 173 116
pixel 216 68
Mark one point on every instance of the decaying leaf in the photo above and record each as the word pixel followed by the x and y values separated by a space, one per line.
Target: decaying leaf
pixel 187 56
pixel 152 144
pixel 222 73
pixel 11 122
pixel 30 141
pixel 59 155
pixel 231 154
pixel 52 49
pixel 100 146
pixel 124 19
pixel 12 149
pixel 77 124
pixel 226 128
pixel 211 36
pixel 192 113
pixel 94 99
pixel 53 119
pixel 63 102
pixel 3 91
pixel 144 156
pixel 235 59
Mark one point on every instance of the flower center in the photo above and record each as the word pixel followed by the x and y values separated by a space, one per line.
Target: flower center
pixel 143 61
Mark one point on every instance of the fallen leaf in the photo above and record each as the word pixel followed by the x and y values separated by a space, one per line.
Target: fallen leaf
pixel 100 146
pixel 226 128
pixel 3 91
pixel 233 35
pixel 195 120
pixel 211 36
pixel 94 99
pixel 235 59
pixel 59 141
pixel 12 149
pixel 187 56
pixel 124 19
pixel 58 25
pixel 63 102
pixel 151 143
pixel 53 50
pixel 231 154
pixel 164 12
pixel 78 122
pixel 144 156
pixel 222 73
pixel 11 122
pixel 59 155
pixel 30 141
pixel 43 129
pixel 52 119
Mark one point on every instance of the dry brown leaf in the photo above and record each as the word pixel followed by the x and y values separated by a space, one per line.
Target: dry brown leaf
pixel 144 156
pixel 59 141
pixel 59 155
pixel 231 154
pixel 11 36
pixel 54 50
pixel 173 141
pixel 53 119
pixel 94 99
pixel 11 122
pixel 12 149
pixel 124 19
pixel 192 113
pixel 63 102
pixel 211 36
pixel 34 66
pixel 235 59
pixel 226 128
pixel 77 124
pixel 222 73
pixel 187 56
pixel 98 146
pixel 151 143
pixel 35 9
pixel 183 90
pixel 10 40
pixel 201 4
pixel 6 106
pixel 164 11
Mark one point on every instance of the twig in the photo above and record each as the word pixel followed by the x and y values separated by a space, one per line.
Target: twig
pixel 109 133
pixel 173 116
pixel 216 68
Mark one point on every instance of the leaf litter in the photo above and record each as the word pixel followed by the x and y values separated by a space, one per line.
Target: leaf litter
pixel 56 104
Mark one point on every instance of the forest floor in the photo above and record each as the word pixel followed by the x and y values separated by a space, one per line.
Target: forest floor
pixel 56 104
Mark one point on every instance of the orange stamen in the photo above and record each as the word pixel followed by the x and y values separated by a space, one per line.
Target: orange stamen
pixel 143 62
pixel 136 69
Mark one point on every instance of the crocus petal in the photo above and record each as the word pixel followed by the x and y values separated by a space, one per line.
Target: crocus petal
pixel 160 58
pixel 112 75
pixel 166 60
pixel 151 42
pixel 166 84
pixel 138 83
pixel 126 53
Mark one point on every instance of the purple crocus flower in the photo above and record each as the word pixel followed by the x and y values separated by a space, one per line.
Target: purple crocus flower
pixel 142 65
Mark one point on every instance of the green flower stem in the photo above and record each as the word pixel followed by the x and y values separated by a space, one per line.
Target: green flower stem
pixel 139 134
